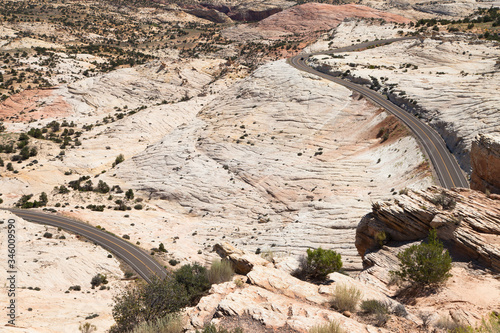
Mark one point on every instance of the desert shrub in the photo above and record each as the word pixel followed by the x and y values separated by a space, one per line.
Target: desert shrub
pixel 377 308
pixel 129 194
pixel 62 189
pixel 490 325
pixel 194 278
pixel 102 187
pixel 126 237
pixel 445 201
pixel 173 262
pixel 171 323
pixel 97 280
pixel 425 264
pixel 373 306
pixel 211 328
pixel 346 298
pixel 318 264
pixel 47 235
pixel 87 328
pixel 75 288
pixel 380 238
pixel 119 159
pixel 331 327
pixel 161 248
pixel 138 207
pixel 147 302
pixel 452 326
pixel 220 271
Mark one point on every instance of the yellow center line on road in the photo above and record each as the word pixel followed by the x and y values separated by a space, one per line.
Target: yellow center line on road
pixel 47 218
pixel 417 124
pixel 374 97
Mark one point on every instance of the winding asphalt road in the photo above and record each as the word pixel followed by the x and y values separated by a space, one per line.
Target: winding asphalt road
pixel 137 259
pixel 446 167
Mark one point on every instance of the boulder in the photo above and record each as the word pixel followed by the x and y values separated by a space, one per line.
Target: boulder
pixel 242 261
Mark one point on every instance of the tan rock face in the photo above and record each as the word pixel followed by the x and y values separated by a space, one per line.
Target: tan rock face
pixel 485 159
pixel 316 16
pixel 308 18
pixel 278 300
pixel 242 262
pixel 467 220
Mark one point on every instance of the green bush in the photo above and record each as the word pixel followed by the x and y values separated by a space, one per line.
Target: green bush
pixel 194 278
pixel 425 264
pixel 220 271
pixel 318 264
pixel 148 302
pixel 119 159
pixel 331 327
pixel 346 298
pixel 377 308
pixel 492 325
pixel 129 194
pixel 97 280
pixel 445 201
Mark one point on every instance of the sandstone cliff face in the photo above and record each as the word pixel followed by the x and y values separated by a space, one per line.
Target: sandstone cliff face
pixel 468 222
pixel 485 160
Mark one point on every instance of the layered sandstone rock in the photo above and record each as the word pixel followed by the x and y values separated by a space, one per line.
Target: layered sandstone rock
pixel 468 221
pixel 306 19
pixel 485 159
pixel 278 300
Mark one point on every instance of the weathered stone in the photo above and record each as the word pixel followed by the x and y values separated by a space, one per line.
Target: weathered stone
pixel 485 158
pixel 242 262
pixel 471 228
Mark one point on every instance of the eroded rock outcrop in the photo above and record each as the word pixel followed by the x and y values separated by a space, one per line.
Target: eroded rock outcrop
pixel 277 300
pixel 242 261
pixel 468 221
pixel 485 160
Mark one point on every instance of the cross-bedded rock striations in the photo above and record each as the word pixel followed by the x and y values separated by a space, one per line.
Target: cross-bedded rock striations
pixel 468 221
pixel 485 160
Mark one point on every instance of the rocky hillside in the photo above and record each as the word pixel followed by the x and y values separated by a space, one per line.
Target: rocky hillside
pixel 467 220
pixel 273 163
pixel 303 20
pixel 485 158
pixel 264 297
pixel 442 80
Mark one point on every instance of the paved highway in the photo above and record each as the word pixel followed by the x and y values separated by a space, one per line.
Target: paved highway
pixel 446 167
pixel 136 258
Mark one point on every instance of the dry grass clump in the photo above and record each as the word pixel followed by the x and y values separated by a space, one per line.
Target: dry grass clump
pixel 331 327
pixel 171 323
pixel 220 271
pixel 346 298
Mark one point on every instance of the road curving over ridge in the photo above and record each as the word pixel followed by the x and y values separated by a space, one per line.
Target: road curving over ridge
pixel 140 261
pixel 446 167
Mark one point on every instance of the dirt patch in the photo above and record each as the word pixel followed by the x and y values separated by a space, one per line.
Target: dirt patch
pixel 390 129
pixel 33 105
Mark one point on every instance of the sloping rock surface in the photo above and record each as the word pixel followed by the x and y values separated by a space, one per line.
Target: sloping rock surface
pixel 468 221
pixel 485 158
